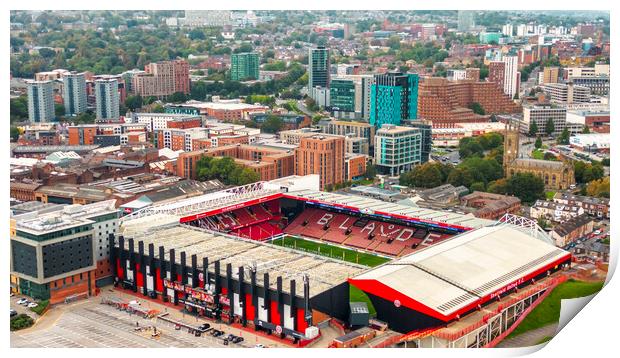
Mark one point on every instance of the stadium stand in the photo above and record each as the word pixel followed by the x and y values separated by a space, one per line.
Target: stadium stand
pixel 255 222
pixel 362 233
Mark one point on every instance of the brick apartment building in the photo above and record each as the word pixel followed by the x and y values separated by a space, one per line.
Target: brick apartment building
pixel 269 163
pixel 354 166
pixel 447 102
pixel 321 154
pixel 198 138
pixel 496 73
pixel 107 134
pixel 162 79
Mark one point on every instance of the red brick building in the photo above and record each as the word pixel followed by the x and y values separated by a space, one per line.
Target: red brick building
pixel 321 154
pixel 447 102
pixel 269 163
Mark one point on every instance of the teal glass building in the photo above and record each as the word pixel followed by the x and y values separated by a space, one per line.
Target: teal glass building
pixel 394 97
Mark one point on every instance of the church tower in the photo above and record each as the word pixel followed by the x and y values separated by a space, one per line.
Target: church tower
pixel 511 143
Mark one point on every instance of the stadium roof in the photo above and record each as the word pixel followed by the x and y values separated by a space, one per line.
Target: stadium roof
pixel 323 273
pixel 214 203
pixel 454 276
pixel 369 205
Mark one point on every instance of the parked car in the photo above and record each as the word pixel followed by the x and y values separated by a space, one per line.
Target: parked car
pixel 204 326
pixel 225 341
pixel 238 340
pixel 13 312
pixel 32 305
pixel 217 333
pixel 258 345
pixel 231 337
pixel 22 301
pixel 597 232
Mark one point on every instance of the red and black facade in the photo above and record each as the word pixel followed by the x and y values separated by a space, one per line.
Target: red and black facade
pixel 214 293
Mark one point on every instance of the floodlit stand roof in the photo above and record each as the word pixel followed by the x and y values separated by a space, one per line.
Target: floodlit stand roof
pixel 454 276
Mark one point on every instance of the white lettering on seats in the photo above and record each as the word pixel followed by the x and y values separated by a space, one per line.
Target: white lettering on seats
pixel 427 242
pixel 325 219
pixel 401 236
pixel 390 227
pixel 343 226
pixel 369 227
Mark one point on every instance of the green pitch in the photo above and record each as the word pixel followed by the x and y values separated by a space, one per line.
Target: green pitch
pixel 332 251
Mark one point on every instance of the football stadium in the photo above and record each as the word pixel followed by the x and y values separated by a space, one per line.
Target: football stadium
pixel 281 256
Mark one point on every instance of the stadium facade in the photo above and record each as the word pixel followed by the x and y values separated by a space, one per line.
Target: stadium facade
pixel 451 281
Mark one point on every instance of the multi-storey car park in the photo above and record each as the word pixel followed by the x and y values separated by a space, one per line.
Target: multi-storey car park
pixel 445 279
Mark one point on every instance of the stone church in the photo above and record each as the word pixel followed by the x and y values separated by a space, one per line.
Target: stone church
pixel 555 175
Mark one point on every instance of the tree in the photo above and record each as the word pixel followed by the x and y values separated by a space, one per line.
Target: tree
pixel 19 108
pixel 461 176
pixel 197 34
pixel 177 97
pixel 538 143
pixel 550 156
pixel 59 110
pixel 586 172
pixel 469 147
pixel 533 129
pixel 14 134
pixel 133 102
pixel 586 130
pixel 47 53
pixel 593 172
pixel 542 222
pixel 564 137
pixel 87 117
pixel 311 105
pixel 599 188
pixel 499 186
pixel 273 124
pixel 371 171
pixel 226 170
pixel 394 42
pixel 477 108
pixel 426 175
pixel 198 91
pixel 477 186
pixel 526 186
pixel 158 108
pixel 549 127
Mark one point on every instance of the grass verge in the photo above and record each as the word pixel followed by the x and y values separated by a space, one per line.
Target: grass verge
pixel 41 307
